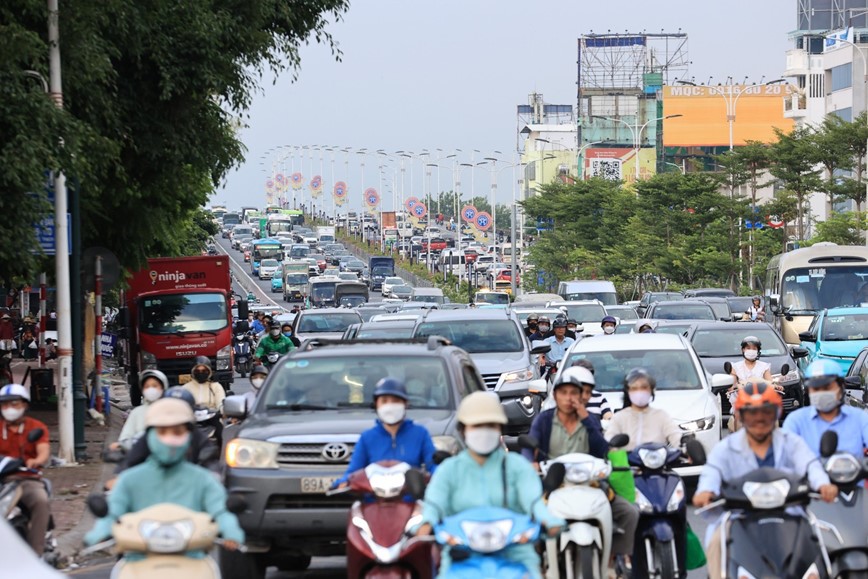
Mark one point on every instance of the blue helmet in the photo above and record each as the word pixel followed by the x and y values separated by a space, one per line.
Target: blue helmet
pixel 609 320
pixel 389 386
pixel 182 393
pixel 821 372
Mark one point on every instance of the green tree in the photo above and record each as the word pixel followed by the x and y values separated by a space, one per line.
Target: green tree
pixel 856 139
pixel 793 163
pixel 833 153
pixel 842 228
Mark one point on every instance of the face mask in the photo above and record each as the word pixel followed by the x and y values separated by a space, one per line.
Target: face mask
pixel 275 333
pixel 532 325
pixel 608 330
pixel 257 383
pixel 543 328
pixel 392 413
pixel 287 334
pixel 824 401
pixel 751 354
pixel 201 376
pixel 12 414
pixel 640 398
pixel 168 450
pixel 482 441
pixel 151 394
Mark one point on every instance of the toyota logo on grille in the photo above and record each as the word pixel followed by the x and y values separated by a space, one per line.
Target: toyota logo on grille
pixel 335 451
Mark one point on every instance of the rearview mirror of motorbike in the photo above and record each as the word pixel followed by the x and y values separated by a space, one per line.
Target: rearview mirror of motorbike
pixel 828 443
pixel 113 455
pixel 98 505
pixel 540 347
pixel 785 369
pixel 554 477
pixel 721 382
pixel 35 435
pixel 528 441
pixel 727 367
pixel 208 454
pixel 414 482
pixel 619 441
pixel 696 452
pixel 235 407
pixel 441 455
pixel 236 503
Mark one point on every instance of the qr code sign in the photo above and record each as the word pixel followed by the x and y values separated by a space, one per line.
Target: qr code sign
pixel 606 168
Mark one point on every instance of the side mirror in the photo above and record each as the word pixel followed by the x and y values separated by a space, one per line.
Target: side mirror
pixel 414 482
pixel 727 367
pixel 696 452
pixel 35 435
pixel 852 383
pixel 540 386
pixel 97 504
pixel 619 441
pixel 554 477
pixel 799 352
pixel 540 347
pixel 236 504
pixel 528 441
pixel 785 369
pixel 828 443
pixel 441 455
pixel 721 382
pixel 807 337
pixel 774 303
pixel 235 407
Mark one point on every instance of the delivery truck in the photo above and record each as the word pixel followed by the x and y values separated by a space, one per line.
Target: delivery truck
pixel 325 234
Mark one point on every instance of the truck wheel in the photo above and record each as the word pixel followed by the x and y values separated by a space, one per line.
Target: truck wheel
pixel 235 564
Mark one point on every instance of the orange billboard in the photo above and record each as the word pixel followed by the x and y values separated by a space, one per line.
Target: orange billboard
pixel 705 112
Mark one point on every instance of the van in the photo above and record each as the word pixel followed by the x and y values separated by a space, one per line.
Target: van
pixel 453 261
pixel 432 295
pixel 578 290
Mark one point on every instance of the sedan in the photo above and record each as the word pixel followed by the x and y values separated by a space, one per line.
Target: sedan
pixel 680 310
pixel 276 284
pixel 389 283
pixel 356 266
pixel 268 268
pixel 402 292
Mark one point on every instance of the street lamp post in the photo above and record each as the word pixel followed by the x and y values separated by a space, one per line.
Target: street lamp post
pixel 636 132
pixel 580 159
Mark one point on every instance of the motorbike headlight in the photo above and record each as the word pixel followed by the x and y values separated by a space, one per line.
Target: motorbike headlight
pixel 487 537
pixel 517 375
pixel 387 482
pixel 706 423
pixel 164 537
pixel 812 573
pixel 149 361
pixel 653 459
pixel 247 453
pixel 223 357
pixel 843 468
pixel 448 443
pixel 676 498
pixel 770 495
pixel 643 503
pixel 578 472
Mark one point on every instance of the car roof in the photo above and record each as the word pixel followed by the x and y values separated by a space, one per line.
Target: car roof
pixel 388 323
pixel 626 342
pixel 677 304
pixel 846 311
pixel 396 347
pixel 434 315
pixel 328 311
pixel 707 299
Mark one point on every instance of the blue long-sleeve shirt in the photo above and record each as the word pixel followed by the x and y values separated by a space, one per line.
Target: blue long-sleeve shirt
pixel 851 425
pixel 412 444
pixel 541 430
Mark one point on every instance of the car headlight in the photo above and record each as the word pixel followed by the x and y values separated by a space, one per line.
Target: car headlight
pixel 164 537
pixel 843 468
pixel 706 423
pixel 770 495
pixel 653 459
pixel 448 443
pixel 676 498
pixel 223 357
pixel 247 453
pixel 488 537
pixel 643 503
pixel 812 573
pixel 149 361
pixel 387 482
pixel 517 375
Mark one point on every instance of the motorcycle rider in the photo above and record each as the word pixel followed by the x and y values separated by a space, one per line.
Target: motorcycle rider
pixel 394 436
pixel 542 329
pixel 825 384
pixel 273 342
pixel 7 333
pixel 15 426
pixel 598 403
pixel 255 324
pixel 166 477
pixel 572 327
pixel 756 445
pixel 257 379
pixel 153 384
pixel 532 325
pixel 206 392
pixel 286 330
pixel 609 325
pixel 559 342
pixel 637 419
pixel 749 368
pixel 646 327
pixel 486 475
pixel 756 312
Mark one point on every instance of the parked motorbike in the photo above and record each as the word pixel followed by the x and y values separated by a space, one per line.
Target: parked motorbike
pixel 480 536
pixel 242 354
pixel 661 537
pixel 162 535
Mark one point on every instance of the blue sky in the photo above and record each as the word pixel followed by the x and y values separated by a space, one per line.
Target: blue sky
pixel 449 73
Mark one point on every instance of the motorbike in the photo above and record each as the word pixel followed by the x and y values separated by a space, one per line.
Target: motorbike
pixel 10 495
pixel 160 537
pixel 210 423
pixel 844 523
pixel 378 531
pixel 661 537
pixel 479 536
pixel 242 354
pixel 270 359
pixel 575 486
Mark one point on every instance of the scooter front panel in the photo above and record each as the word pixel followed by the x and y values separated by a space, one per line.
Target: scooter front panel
pixel 771 545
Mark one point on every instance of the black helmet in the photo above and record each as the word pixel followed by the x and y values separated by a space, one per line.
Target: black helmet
pixel 202 361
pixel 181 393
pixel 559 323
pixel 572 322
pixel 259 369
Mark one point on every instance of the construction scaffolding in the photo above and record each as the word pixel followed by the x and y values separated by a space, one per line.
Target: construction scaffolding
pixel 825 15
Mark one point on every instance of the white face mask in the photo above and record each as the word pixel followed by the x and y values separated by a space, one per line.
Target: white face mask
pixel 609 330
pixel 275 333
pixel 824 401
pixel 482 441
pixel 543 328
pixel 391 413
pixel 751 354
pixel 12 414
pixel 257 383
pixel 152 393
pixel 640 398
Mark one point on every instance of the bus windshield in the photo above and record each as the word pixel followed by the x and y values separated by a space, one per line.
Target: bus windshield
pixel 810 289
pixel 267 250
pixel 276 226
pixel 176 313
pixel 231 219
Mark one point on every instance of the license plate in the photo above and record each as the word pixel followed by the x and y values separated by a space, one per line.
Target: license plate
pixel 317 484
pixel 184 378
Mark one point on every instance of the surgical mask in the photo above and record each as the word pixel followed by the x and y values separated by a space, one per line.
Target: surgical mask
pixel 640 398
pixel 543 328
pixel 151 394
pixel 482 441
pixel 168 450
pixel 201 376
pixel 257 383
pixel 287 333
pixel 751 354
pixel 12 414
pixel 392 413
pixel 824 401
pixel 275 333
pixel 609 330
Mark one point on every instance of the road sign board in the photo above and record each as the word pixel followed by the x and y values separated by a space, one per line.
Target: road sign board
pixel 45 234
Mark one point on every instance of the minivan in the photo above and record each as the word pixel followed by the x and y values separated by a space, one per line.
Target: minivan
pixel 578 290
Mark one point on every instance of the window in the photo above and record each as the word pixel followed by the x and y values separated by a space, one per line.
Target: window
pixel 727 343
pixel 842 77
pixel 479 337
pixel 817 86
pixel 174 313
pixel 472 382
pixel 673 369
pixel 844 114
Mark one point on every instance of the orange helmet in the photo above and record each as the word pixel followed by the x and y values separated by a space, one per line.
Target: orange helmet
pixel 758 394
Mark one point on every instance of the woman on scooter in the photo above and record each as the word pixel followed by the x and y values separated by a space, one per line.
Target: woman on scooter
pixel 750 368
pixel 393 437
pixel 206 392
pixel 486 475
pixel 638 420
pixel 153 384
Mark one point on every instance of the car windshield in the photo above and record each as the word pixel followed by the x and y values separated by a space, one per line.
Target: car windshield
pixel 721 310
pixel 322 383
pixel 623 313
pixel 478 336
pixel 335 322
pixel 402 289
pixel 726 342
pixel 608 299
pixel 492 298
pixel 296 279
pixel 352 301
pixel 299 252
pixel 806 290
pixel 741 304
pixel 673 369
pixel 429 299
pixel 375 333
pixel 585 313
pixel 268 263
pixel 684 312
pixel 841 328
pixel 665 297
pixel 173 313
pixel 393 281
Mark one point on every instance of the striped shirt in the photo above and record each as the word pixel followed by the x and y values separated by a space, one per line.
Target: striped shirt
pixel 598 404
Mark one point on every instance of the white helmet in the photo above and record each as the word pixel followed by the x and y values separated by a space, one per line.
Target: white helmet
pixel 577 376
pixel 14 392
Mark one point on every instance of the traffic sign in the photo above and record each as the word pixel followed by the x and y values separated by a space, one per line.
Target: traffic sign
pixel 419 210
pixel 483 221
pixel 46 235
pixel 469 213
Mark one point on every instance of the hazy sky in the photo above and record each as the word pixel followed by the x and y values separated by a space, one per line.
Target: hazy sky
pixel 449 73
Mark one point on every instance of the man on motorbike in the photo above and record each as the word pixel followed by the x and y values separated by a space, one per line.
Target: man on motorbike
pixel 255 324
pixel 486 475
pixel 393 437
pixel 598 403
pixel 756 445
pixel 15 426
pixel 153 384
pixel 542 329
pixel 273 342
pixel 609 325
pixel 7 333
pixel 825 383
pixel 532 325
pixel 257 379
pixel 559 342
pixel 166 477
pixel 638 420
pixel 206 392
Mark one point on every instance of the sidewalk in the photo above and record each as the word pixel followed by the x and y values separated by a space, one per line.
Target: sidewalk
pixel 71 485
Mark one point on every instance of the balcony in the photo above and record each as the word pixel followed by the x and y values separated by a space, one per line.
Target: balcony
pixel 798 62
pixel 795 106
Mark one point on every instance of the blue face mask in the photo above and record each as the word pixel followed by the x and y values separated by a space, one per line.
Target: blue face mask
pixel 167 455
pixel 287 334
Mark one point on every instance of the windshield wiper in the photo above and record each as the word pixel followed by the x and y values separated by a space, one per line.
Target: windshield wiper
pixel 295 407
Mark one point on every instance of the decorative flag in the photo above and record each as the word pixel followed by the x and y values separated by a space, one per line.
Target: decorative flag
pixel 280 182
pixel 297 181
pixel 340 190
pixel 419 210
pixel 410 202
pixel 316 186
pixel 372 198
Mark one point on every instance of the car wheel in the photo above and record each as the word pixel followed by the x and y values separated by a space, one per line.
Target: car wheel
pixel 235 564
